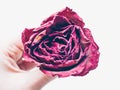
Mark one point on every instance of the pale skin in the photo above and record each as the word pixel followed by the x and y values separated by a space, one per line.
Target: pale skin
pixel 16 74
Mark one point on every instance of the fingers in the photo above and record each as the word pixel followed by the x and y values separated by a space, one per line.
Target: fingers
pixel 14 50
pixel 14 55
pixel 11 54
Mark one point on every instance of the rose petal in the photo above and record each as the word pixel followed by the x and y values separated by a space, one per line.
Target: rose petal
pixel 92 62
pixel 72 72
pixel 29 59
pixel 71 16
pixel 60 21
pixel 26 34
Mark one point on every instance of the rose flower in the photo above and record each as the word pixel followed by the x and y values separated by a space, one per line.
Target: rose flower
pixel 61 45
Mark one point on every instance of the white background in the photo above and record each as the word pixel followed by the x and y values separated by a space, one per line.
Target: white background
pixel 101 16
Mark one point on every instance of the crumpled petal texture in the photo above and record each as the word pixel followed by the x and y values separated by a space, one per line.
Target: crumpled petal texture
pixel 61 45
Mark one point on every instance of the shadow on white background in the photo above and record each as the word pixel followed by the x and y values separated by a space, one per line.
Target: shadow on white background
pixel 101 16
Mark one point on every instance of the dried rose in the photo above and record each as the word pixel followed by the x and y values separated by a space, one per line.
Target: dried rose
pixel 61 45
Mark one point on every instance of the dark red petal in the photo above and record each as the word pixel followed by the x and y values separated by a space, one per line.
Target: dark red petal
pixel 26 34
pixel 27 58
pixel 67 73
pixel 71 16
pixel 88 34
pixel 93 58
pixel 60 21
pixel 48 19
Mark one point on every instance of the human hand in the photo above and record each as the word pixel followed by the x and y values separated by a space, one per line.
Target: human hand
pixel 16 74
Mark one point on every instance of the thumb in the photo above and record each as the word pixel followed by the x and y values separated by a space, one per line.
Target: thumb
pixel 37 79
